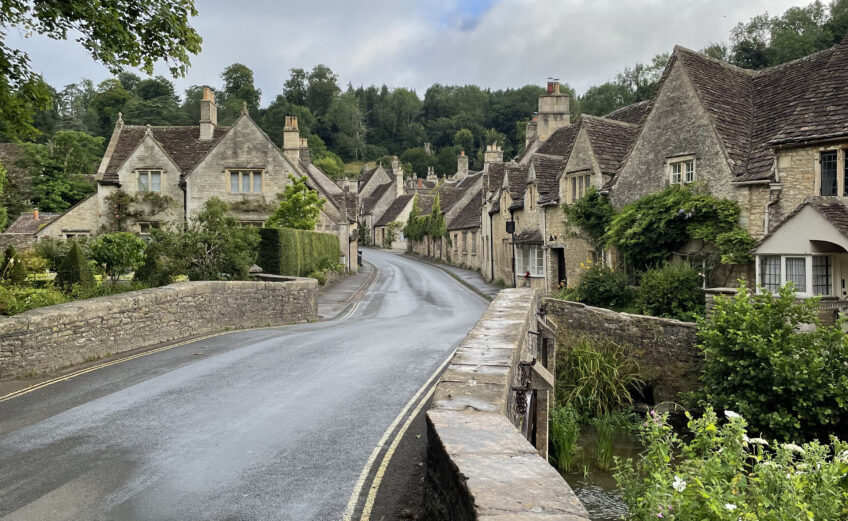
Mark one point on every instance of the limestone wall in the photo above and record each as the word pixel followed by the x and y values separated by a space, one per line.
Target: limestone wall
pixel 664 348
pixel 479 466
pixel 54 337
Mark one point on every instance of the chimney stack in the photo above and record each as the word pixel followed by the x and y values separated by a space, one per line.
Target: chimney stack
pixel 531 130
pixel 431 174
pixel 291 139
pixel 493 154
pixel 398 170
pixel 35 214
pixel 553 112
pixel 208 115
pixel 461 165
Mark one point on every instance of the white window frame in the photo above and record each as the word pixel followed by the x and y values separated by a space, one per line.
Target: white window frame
pixel 251 173
pixel 679 171
pixel 533 261
pixel 148 174
pixel 809 291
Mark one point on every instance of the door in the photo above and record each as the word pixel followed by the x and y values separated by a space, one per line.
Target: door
pixel 560 260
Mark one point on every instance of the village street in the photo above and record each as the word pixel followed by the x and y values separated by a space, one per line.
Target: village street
pixel 266 424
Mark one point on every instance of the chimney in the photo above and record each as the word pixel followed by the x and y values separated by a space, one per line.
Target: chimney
pixel 530 132
pixel 291 139
pixel 35 214
pixel 304 151
pixel 395 164
pixel 431 174
pixel 208 115
pixel 461 165
pixel 493 154
pixel 398 178
pixel 553 112
pixel 420 184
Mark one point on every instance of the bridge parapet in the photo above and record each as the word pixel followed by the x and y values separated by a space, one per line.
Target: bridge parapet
pixel 489 408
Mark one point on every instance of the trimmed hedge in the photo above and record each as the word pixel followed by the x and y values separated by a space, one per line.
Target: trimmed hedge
pixel 285 251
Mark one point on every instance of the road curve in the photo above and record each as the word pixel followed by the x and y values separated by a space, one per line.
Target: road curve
pixel 253 425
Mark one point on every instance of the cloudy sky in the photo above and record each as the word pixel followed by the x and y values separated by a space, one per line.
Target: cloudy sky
pixel 491 43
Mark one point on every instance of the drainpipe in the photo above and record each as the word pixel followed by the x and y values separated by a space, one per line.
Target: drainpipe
pixel 491 248
pixel 774 197
pixel 514 275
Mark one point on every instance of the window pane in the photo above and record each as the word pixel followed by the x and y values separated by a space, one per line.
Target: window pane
pixel 257 182
pixel 796 271
pixel 142 182
pixel 573 188
pixel 156 181
pixel 234 182
pixel 821 275
pixel 690 171
pixel 539 261
pixel 770 272
pixel 245 182
pixel 828 172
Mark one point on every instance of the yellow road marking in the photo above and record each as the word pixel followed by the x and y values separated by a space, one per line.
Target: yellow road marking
pixel 357 489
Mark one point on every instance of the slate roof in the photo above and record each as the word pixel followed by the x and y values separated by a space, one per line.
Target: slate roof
pixel 181 143
pixel 394 209
pixel 547 169
pixel 533 236
pixel 496 173
pixel 368 203
pixel 830 208
pixel 352 204
pixel 634 113
pixel 470 216
pixel 517 178
pixel 26 225
pixel 366 176
pixel 610 141
pixel 560 142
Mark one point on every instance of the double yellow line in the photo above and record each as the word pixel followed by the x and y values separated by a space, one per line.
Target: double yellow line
pixel 421 397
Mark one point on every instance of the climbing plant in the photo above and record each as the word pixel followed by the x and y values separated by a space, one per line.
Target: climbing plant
pixel 432 225
pixel 123 207
pixel 591 215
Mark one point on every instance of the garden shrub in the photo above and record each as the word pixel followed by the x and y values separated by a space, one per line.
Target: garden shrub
pixel 118 253
pixel 595 376
pixel 285 251
pixel 74 270
pixel 672 291
pixel 13 271
pixel 789 384
pixel 720 474
pixel 17 299
pixel 602 286
pixel 162 262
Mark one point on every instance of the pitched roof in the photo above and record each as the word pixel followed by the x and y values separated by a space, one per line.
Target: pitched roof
pixel 517 179
pixel 181 143
pixel 532 236
pixel 830 208
pixel 25 224
pixel 560 142
pixel 368 203
pixel 394 210
pixel 547 169
pixel 366 176
pixel 470 216
pixel 634 113
pixel 610 140
pixel 495 173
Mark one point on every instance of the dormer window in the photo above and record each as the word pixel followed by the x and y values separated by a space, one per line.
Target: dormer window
pixel 149 180
pixel 682 172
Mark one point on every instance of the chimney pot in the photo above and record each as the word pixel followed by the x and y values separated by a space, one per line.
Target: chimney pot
pixel 35 215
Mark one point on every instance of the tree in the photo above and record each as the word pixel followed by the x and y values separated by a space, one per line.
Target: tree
pixel 272 119
pixel 3 214
pixel 294 89
pixel 238 90
pixel 215 246
pixel 464 139
pixel 298 208
pixel 347 126
pixel 420 160
pixel 122 34
pixel 73 269
pixel 117 253
pixel 321 90
pixel 332 166
pixel 102 111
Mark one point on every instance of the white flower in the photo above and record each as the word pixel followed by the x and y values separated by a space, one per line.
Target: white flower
pixel 842 457
pixel 793 448
pixel 731 414
pixel 758 441
pixel 678 485
pixel 730 506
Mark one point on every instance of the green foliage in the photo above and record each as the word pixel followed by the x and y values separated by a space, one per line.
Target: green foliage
pixel 73 269
pixel 215 246
pixel 162 261
pixel 390 236
pixel 298 208
pixel 565 431
pixel 431 225
pixel 332 166
pixel 789 384
pixel 672 291
pixel 592 214
pixel 17 299
pixel 594 375
pixel 3 183
pixel 117 253
pixel 720 474
pixel 648 231
pixel 285 251
pixel 13 271
pixel 364 234
pixel 600 286
pixel 604 429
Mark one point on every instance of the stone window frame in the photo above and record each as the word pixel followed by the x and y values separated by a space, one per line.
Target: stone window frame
pixel 473 242
pixel 148 172
pixel 464 242
pixel 574 189
pixel 681 160
pixel 241 171
pixel 841 170
pixel 150 225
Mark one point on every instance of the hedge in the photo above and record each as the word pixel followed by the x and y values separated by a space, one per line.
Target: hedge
pixel 297 253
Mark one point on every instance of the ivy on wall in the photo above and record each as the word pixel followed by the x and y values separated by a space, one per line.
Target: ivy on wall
pixel 123 207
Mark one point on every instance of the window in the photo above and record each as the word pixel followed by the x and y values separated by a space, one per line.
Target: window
pixel 464 242
pixel 529 258
pixel 579 185
pixel 828 172
pixel 821 275
pixel 683 172
pixel 796 272
pixel 145 228
pixel 246 181
pixel 473 243
pixel 770 272
pixel 149 181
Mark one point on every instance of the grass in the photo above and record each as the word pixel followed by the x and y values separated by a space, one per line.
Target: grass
pixel 604 429
pixel 354 167
pixel 565 429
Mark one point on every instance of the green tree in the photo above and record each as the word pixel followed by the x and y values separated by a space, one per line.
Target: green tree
pixel 419 159
pixel 322 88
pixel 272 119
pixel 13 271
pixel 347 126
pixel 215 246
pixel 117 254
pixel 123 34
pixel 238 89
pixel 73 269
pixel 298 208
pixel 294 88
pixel 104 107
pixel 332 166
pixel 464 139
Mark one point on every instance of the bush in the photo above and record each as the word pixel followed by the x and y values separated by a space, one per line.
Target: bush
pixel 672 291
pixel 595 376
pixel 162 262
pixel 118 253
pixel 719 474
pixel 16 299
pixel 13 271
pixel 74 270
pixel 602 287
pixel 791 385
pixel 284 251
pixel 215 246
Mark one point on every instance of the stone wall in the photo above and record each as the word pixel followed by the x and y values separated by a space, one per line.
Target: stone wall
pixel 54 337
pixel 20 241
pixel 664 348
pixel 479 466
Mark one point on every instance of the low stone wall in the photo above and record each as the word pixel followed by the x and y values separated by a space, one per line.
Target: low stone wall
pixel 54 337
pixel 664 348
pixel 19 241
pixel 478 464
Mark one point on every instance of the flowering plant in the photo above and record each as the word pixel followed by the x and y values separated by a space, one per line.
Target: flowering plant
pixel 721 474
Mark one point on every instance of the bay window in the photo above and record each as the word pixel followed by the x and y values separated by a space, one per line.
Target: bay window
pixel 811 274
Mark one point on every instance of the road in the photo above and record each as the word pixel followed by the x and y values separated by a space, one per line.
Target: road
pixel 252 425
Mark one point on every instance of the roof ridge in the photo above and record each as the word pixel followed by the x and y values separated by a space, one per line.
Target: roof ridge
pixel 730 66
pixel 604 119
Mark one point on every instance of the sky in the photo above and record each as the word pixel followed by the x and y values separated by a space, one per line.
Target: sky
pixel 403 43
